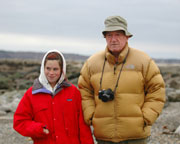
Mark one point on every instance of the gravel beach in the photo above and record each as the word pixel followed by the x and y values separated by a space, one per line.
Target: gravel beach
pixel 162 130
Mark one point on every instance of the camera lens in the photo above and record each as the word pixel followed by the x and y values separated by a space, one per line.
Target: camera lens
pixel 104 99
pixel 106 95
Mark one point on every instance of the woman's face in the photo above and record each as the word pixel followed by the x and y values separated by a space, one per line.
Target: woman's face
pixel 52 71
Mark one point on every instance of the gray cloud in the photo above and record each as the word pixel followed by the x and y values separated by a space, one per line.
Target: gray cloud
pixel 151 21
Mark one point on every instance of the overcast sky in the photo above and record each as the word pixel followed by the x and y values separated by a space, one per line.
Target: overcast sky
pixel 75 26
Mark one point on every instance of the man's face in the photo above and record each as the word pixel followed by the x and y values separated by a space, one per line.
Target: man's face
pixel 116 41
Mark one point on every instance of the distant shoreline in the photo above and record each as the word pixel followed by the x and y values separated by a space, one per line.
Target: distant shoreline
pixel 68 56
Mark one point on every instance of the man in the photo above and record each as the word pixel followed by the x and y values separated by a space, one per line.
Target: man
pixel 122 89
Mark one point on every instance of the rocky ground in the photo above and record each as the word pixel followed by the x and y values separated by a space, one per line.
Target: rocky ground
pixel 166 124
pixel 17 76
pixel 162 130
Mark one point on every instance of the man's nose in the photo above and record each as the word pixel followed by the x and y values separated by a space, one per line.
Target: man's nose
pixel 113 38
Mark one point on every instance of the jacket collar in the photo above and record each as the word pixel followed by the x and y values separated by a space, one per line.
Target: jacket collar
pixel 39 88
pixel 111 58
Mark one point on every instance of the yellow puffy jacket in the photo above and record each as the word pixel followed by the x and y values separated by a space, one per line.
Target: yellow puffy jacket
pixel 138 100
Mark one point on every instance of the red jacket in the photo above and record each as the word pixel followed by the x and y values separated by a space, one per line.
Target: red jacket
pixel 61 114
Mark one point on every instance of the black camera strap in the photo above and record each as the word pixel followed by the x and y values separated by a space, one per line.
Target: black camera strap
pixel 124 61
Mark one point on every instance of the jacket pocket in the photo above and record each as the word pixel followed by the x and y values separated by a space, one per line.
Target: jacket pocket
pixel 143 120
pixel 40 112
pixel 39 108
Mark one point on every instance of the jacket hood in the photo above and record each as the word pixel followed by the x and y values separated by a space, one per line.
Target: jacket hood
pixel 42 78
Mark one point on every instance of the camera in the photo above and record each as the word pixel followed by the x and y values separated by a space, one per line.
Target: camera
pixel 106 95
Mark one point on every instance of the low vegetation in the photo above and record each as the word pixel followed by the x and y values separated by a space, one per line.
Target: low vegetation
pixel 20 74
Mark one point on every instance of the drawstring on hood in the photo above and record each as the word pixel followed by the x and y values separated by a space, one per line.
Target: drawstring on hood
pixel 42 78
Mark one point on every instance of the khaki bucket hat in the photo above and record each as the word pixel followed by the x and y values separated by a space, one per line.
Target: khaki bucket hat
pixel 114 23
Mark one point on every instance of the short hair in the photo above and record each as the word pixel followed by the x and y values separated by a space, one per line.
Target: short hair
pixel 54 56
pixel 104 33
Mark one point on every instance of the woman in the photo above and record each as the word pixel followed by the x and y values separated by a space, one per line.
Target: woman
pixel 50 111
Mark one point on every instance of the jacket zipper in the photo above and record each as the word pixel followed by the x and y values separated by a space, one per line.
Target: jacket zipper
pixel 115 66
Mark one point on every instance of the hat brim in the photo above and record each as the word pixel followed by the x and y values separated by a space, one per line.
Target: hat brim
pixel 110 29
